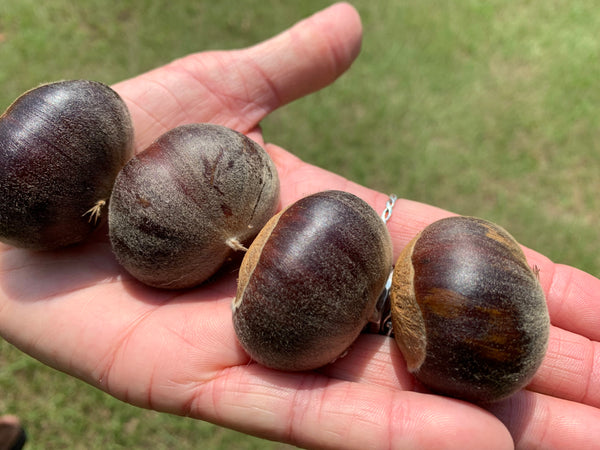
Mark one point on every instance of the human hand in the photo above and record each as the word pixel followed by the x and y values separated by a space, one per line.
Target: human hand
pixel 78 311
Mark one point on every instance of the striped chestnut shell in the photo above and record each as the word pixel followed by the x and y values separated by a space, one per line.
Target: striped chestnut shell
pixel 468 313
pixel 310 281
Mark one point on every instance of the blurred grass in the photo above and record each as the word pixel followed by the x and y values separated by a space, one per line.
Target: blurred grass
pixel 483 108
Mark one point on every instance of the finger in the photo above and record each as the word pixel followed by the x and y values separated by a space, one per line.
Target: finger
pixel 300 179
pixel 307 57
pixel 309 410
pixel 540 421
pixel 573 299
pixel 239 88
pixel 571 368
pixel 535 420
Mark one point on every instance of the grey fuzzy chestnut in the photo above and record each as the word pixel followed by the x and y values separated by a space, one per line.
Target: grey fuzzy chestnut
pixel 310 281
pixel 61 147
pixel 184 205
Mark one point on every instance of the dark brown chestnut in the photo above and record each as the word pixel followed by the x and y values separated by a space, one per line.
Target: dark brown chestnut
pixel 310 281
pixel 61 147
pixel 468 313
pixel 181 208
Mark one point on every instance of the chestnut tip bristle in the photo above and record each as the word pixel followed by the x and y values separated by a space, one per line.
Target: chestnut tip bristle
pixel 236 245
pixel 95 211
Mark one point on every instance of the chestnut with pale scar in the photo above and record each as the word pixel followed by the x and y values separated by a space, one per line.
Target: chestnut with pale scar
pixel 468 313
pixel 310 281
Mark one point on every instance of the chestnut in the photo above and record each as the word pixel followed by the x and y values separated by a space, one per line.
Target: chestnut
pixel 310 281
pixel 468 313
pixel 61 147
pixel 184 205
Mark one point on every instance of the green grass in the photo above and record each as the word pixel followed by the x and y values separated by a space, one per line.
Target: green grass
pixel 483 108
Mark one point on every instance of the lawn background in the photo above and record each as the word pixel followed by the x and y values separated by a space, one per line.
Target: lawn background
pixel 483 108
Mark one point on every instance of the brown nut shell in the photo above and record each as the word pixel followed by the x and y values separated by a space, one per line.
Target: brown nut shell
pixel 184 205
pixel 469 314
pixel 61 147
pixel 310 281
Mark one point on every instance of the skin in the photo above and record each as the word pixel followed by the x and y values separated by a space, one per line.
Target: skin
pixel 77 311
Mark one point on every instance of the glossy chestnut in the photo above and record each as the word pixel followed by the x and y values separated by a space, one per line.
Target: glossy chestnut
pixel 468 313
pixel 184 205
pixel 61 147
pixel 310 281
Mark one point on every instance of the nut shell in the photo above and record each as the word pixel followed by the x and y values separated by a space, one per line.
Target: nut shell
pixel 184 205
pixel 310 281
pixel 469 314
pixel 61 147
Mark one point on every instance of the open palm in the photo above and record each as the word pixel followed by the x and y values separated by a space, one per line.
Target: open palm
pixel 78 311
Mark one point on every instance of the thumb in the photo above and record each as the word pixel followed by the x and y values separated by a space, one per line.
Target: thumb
pixel 238 88
pixel 310 55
